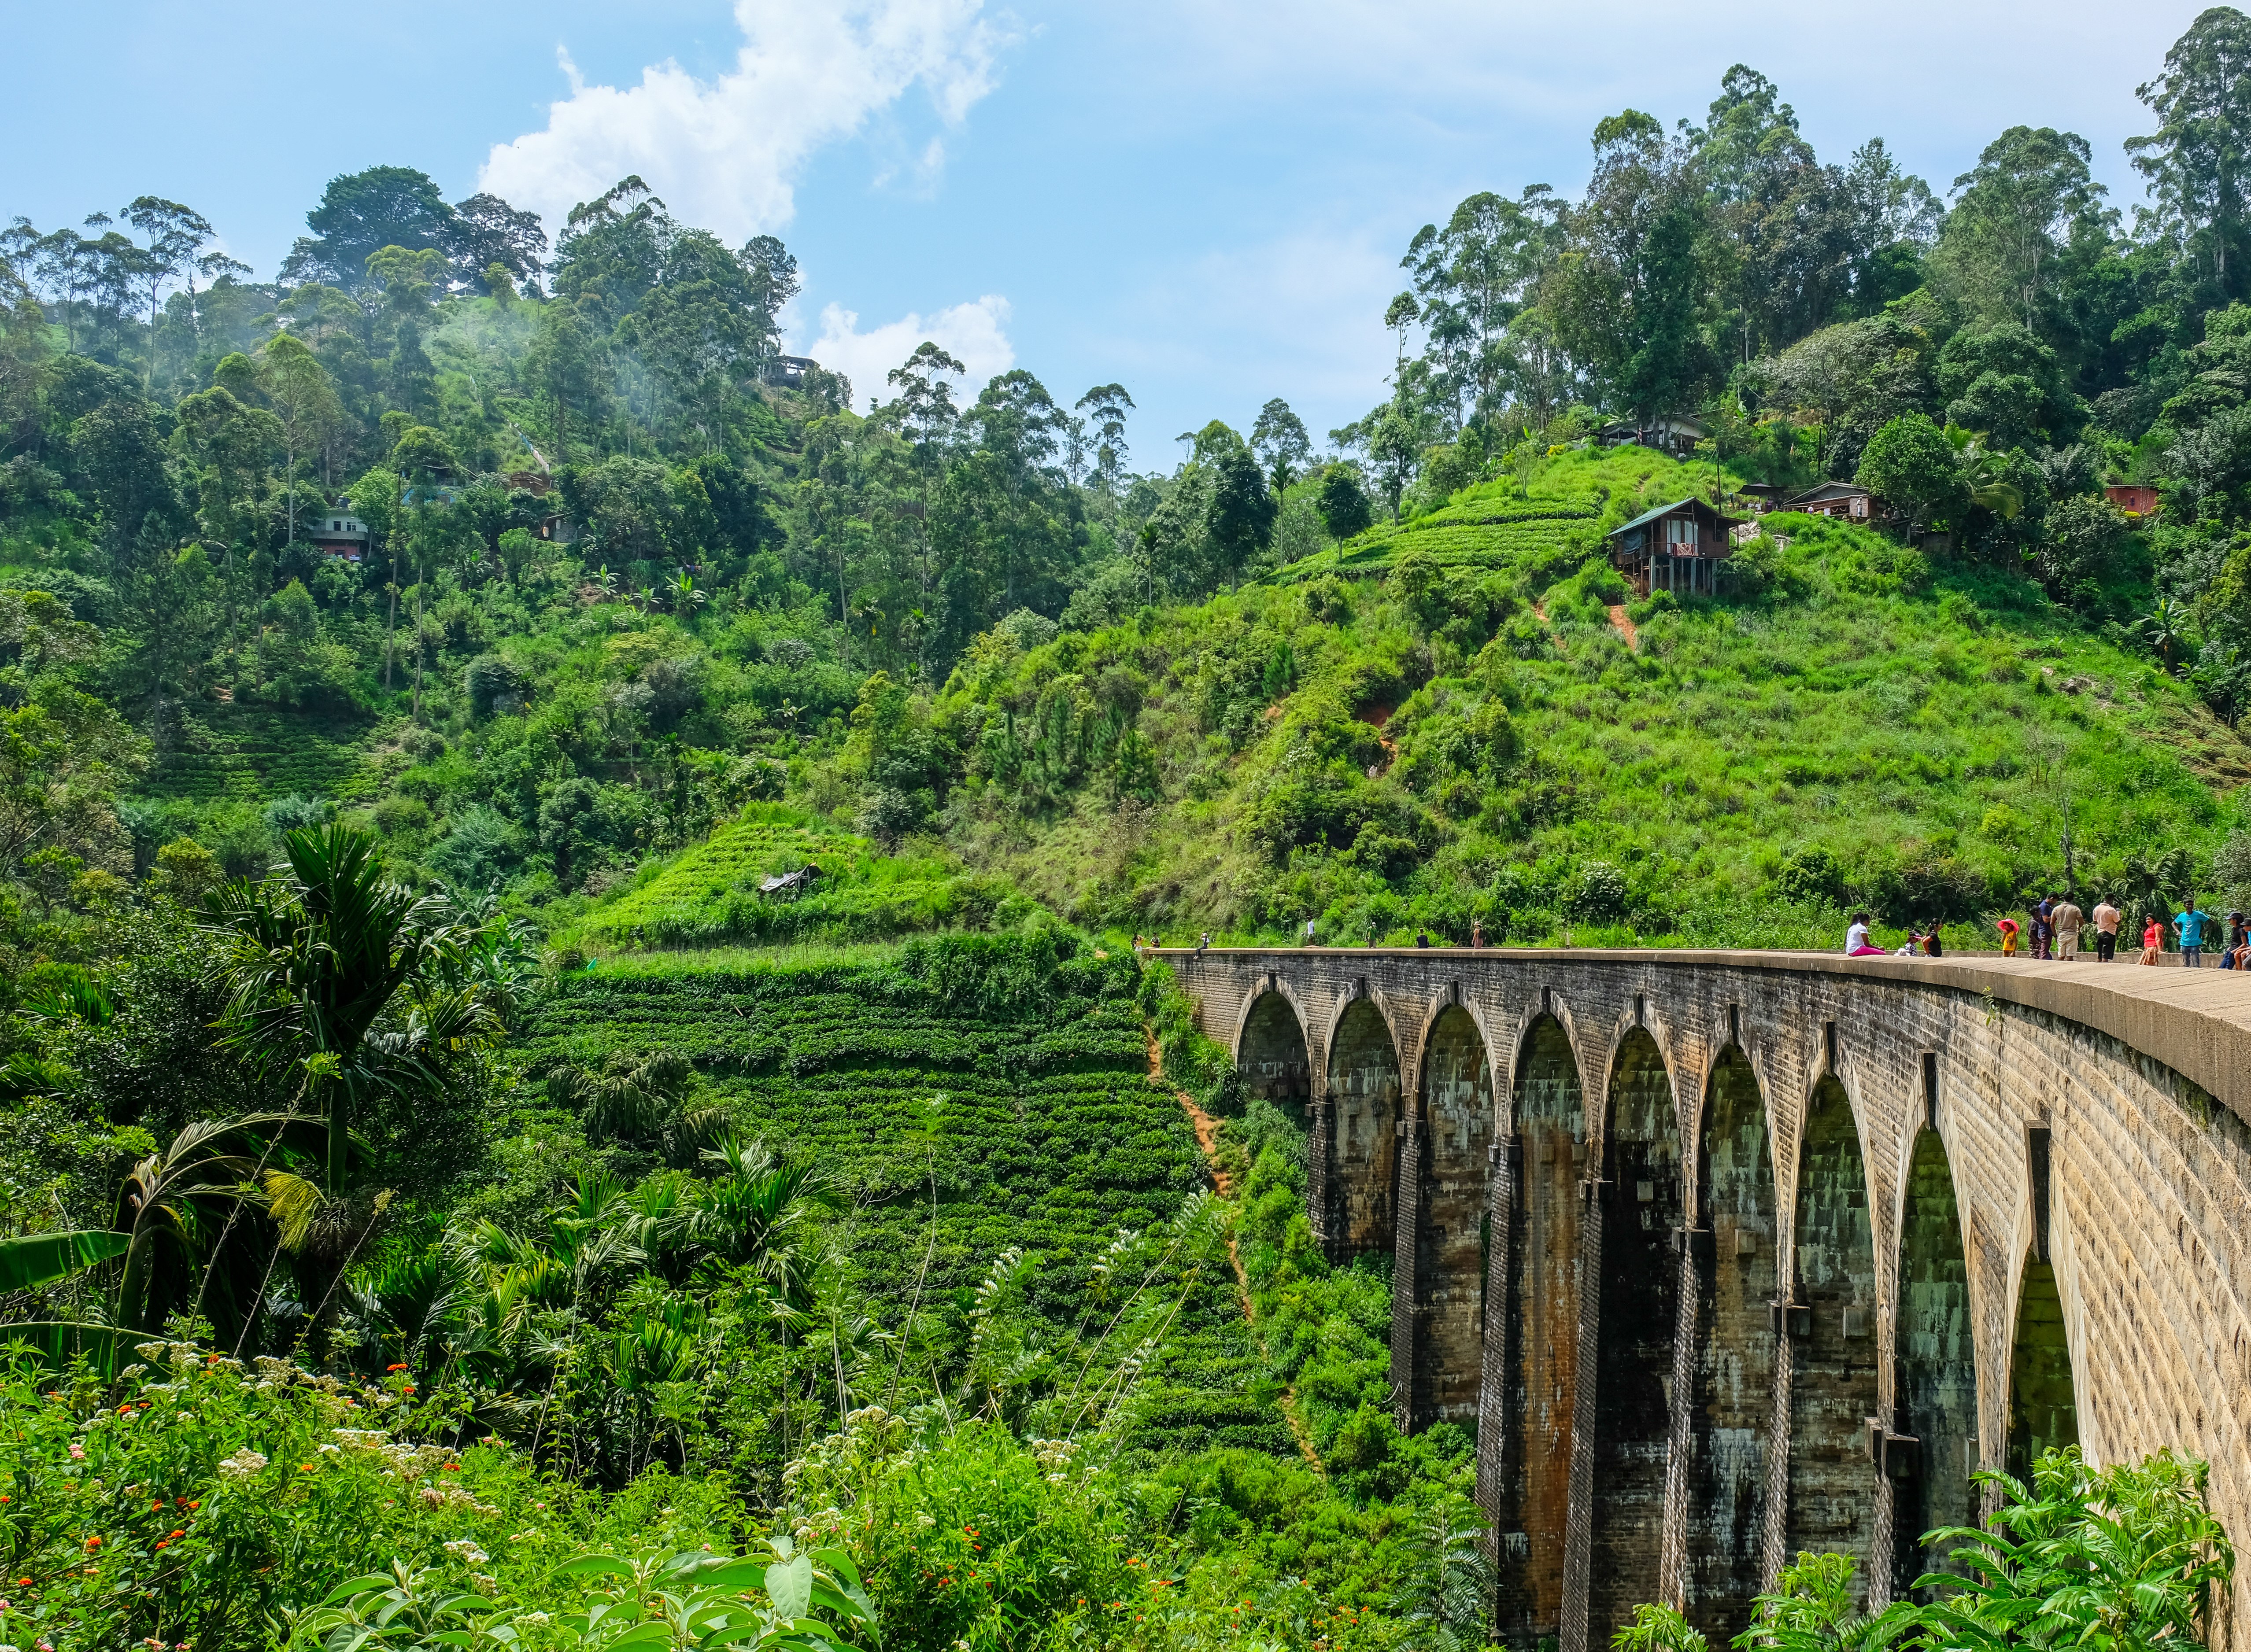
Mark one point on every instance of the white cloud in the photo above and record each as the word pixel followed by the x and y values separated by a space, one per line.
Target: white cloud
pixel 971 333
pixel 724 152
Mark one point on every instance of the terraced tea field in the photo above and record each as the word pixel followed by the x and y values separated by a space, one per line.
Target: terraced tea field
pixel 968 1105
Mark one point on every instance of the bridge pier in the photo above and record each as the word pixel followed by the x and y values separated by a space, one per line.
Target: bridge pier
pixel 2024 1188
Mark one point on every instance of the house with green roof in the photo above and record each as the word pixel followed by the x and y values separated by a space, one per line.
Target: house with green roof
pixel 1677 548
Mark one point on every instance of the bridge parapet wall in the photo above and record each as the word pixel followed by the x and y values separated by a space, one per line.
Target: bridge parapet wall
pixel 2092 1118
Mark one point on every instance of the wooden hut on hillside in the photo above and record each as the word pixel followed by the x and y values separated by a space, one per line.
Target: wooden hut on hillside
pixel 1677 547
pixel 1672 434
pixel 1847 500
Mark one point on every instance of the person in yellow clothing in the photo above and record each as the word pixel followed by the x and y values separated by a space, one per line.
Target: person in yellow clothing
pixel 2008 928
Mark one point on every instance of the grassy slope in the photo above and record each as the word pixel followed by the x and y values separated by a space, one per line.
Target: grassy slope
pixel 1847 695
pixel 708 894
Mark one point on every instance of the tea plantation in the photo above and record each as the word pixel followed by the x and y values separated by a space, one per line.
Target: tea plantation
pixel 974 1093
pixel 241 752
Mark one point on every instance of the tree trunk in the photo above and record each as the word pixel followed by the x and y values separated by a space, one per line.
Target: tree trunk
pixel 339 1155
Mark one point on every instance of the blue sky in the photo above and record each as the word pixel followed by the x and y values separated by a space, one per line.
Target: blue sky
pixel 1202 200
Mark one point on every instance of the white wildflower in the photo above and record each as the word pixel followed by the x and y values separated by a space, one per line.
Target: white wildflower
pixel 244 1463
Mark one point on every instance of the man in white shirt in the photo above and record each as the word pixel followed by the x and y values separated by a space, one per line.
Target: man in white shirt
pixel 2068 921
pixel 2106 930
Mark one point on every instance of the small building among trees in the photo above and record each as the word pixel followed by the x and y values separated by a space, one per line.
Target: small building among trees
pixel 2135 500
pixel 1848 501
pixel 338 533
pixel 1670 433
pixel 1677 548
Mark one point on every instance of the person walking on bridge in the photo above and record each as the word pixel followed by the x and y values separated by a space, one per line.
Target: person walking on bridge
pixel 2069 920
pixel 2043 928
pixel 2153 939
pixel 2106 930
pixel 2008 928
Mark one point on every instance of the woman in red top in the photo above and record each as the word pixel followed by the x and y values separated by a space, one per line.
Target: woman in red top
pixel 2153 940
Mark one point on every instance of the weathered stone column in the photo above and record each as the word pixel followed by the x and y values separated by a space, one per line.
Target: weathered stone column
pixel 1579 1529
pixel 1776 1524
pixel 1407 1214
pixel 1492 1465
pixel 1680 1407
pixel 1319 1159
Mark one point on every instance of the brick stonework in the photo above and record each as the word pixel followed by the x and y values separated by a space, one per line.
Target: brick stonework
pixel 2141 1080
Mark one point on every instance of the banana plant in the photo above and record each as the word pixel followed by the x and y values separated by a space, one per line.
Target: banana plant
pixel 41 1259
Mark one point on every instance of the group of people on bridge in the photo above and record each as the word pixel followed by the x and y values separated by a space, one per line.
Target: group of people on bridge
pixel 2055 927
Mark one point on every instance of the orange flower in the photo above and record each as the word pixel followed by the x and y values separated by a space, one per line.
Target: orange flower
pixel 391 1368
pixel 94 1543
pixel 162 1544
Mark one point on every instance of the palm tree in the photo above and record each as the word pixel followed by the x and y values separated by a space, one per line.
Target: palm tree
pixel 1984 476
pixel 164 1202
pixel 628 1099
pixel 749 1216
pixel 319 954
pixel 2166 625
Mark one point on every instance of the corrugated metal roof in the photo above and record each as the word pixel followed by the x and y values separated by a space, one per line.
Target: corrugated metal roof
pixel 1666 510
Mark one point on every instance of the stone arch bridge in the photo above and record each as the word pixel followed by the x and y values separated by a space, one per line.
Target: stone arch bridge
pixel 1725 1255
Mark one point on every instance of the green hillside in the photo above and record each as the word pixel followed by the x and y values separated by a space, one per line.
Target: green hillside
pixel 1446 721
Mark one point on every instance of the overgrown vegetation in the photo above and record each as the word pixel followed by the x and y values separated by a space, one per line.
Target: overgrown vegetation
pixel 554 1084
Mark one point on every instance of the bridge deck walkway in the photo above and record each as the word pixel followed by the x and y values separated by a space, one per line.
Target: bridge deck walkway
pixel 2197 1022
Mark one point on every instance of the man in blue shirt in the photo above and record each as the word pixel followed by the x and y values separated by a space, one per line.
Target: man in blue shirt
pixel 2191 926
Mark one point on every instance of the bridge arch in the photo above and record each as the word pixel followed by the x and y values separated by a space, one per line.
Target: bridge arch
pixel 1455 1124
pixel 1834 1354
pixel 1735 1348
pixel 1644 1203
pixel 1540 1368
pixel 1270 1045
pixel 1935 1393
pixel 2043 1391
pixel 1515 1041
pixel 1363 1096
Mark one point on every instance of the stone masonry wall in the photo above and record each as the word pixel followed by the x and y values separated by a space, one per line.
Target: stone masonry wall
pixel 2142 1085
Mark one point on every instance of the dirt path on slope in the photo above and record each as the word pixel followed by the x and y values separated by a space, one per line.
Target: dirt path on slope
pixel 1206 1135
pixel 1623 625
pixel 1539 612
